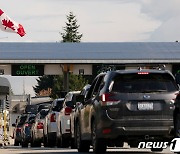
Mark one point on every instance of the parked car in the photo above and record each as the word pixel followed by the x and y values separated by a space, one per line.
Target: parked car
pixel 78 105
pixel 37 128
pixel 176 115
pixel 18 126
pixel 63 119
pixel 31 109
pixel 50 124
pixel 44 106
pixel 26 130
pixel 127 106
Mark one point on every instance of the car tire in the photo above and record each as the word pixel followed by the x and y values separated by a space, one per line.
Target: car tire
pixel 99 145
pixel 73 144
pixel 50 142
pixel 63 141
pixel 58 142
pixel 45 141
pixel 82 146
pixel 24 144
pixel 33 142
pixel 177 124
pixel 16 143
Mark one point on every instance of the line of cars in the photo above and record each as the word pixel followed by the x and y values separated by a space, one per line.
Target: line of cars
pixel 119 106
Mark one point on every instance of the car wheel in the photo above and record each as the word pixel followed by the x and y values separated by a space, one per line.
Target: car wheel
pixel 99 145
pixel 82 146
pixel 16 143
pixel 58 143
pixel 177 124
pixel 73 144
pixel 24 144
pixel 38 144
pixel 63 141
pixel 50 142
pixel 32 142
pixel 45 141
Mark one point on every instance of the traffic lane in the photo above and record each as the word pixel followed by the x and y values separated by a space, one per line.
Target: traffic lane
pixel 42 150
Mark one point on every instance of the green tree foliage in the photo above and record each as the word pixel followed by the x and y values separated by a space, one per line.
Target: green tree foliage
pixel 43 83
pixel 71 33
pixel 76 82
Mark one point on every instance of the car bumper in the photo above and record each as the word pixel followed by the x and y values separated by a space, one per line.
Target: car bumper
pixel 109 128
pixel 39 134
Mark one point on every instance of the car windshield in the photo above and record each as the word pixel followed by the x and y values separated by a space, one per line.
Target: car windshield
pixel 143 83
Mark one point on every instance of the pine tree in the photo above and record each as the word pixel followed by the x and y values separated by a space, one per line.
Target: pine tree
pixel 76 82
pixel 71 33
pixel 43 83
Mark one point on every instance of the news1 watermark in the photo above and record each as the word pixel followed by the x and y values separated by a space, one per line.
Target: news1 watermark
pixel 174 145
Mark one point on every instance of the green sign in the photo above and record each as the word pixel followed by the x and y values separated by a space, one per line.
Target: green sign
pixel 27 70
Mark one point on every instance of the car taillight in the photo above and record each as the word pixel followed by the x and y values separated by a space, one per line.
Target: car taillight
pixel 26 125
pixel 68 110
pixel 18 129
pixel 106 131
pixel 53 117
pixel 107 99
pixel 40 125
pixel 177 97
pixel 143 73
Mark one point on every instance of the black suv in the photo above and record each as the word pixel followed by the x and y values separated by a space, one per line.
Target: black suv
pixel 126 106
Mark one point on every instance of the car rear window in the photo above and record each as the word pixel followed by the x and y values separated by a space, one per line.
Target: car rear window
pixel 31 109
pixel 58 105
pixel 43 114
pixel 139 83
pixel 22 119
pixel 31 118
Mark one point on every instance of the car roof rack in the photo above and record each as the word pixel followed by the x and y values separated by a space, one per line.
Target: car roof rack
pixel 157 67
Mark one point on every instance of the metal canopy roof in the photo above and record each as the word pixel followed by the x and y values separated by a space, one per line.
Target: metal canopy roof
pixel 119 52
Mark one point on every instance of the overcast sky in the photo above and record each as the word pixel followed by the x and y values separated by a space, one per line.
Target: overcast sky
pixel 99 20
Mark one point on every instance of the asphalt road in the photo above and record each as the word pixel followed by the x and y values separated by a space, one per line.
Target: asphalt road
pixel 42 150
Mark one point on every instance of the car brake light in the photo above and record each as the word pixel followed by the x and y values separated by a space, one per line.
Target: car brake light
pixel 68 110
pixel 143 73
pixel 40 125
pixel 26 125
pixel 18 129
pixel 106 131
pixel 107 100
pixel 53 117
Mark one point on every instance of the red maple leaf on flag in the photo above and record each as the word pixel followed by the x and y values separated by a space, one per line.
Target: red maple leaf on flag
pixel 21 31
pixel 8 24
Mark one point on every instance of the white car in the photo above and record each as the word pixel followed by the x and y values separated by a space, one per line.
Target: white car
pixel 37 128
pixel 63 119
pixel 50 124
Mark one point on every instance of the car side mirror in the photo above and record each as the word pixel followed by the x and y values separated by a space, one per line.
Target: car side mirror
pixel 13 125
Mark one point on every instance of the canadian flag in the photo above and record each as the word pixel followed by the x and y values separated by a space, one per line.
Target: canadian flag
pixel 8 25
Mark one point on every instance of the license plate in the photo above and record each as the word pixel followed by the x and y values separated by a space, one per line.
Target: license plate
pixel 145 106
